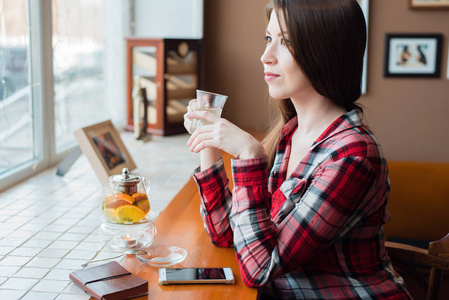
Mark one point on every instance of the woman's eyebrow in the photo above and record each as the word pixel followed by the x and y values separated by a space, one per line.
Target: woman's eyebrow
pixel 279 34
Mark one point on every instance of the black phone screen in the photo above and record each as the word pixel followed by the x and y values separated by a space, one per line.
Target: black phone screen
pixel 195 274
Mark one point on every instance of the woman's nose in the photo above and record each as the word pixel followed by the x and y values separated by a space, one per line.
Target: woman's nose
pixel 268 57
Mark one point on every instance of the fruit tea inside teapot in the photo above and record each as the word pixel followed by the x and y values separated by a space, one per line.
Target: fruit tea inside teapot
pixel 126 198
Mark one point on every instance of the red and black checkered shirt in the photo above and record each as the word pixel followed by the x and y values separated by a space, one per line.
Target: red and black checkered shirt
pixel 317 234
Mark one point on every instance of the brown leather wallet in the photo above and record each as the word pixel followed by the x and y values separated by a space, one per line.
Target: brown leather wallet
pixel 110 281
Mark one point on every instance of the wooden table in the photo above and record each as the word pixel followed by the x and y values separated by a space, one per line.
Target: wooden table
pixel 180 224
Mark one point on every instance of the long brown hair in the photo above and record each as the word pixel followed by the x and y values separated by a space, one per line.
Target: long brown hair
pixel 327 40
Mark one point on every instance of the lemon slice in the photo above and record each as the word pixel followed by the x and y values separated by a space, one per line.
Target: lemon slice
pixel 128 213
pixel 107 212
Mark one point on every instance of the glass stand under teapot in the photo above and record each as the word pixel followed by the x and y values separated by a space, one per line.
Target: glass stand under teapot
pixel 125 236
pixel 127 220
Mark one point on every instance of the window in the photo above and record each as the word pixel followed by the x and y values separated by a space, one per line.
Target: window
pixel 53 80
pixel 16 118
pixel 78 67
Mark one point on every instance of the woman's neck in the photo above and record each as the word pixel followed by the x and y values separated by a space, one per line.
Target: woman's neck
pixel 315 114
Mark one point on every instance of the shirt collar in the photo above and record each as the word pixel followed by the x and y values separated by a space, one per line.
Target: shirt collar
pixel 347 121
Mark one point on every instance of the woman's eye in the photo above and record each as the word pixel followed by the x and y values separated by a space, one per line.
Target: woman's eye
pixel 285 42
pixel 267 39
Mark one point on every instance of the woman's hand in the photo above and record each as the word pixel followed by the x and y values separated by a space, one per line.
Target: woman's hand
pixel 187 121
pixel 223 135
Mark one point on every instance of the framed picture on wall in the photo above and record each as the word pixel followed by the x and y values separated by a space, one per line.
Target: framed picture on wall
pixel 425 4
pixel 413 55
pixel 105 150
pixel 364 4
pixel 447 69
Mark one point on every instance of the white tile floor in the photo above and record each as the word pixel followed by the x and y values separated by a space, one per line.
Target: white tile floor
pixel 49 224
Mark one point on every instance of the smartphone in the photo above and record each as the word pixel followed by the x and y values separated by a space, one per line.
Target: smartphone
pixel 195 275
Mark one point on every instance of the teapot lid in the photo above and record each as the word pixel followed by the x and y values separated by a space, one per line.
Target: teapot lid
pixel 126 178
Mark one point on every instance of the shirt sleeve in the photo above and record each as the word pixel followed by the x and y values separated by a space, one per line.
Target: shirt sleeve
pixel 216 202
pixel 323 208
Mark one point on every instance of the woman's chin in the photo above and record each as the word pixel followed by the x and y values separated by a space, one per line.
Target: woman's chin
pixel 276 95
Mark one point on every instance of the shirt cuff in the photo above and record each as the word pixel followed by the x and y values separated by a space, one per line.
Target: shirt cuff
pixel 212 179
pixel 249 172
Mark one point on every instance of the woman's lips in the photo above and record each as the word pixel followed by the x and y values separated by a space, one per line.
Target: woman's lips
pixel 271 76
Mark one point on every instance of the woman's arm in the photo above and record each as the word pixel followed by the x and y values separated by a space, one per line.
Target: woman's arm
pixel 209 157
pixel 212 182
pixel 216 203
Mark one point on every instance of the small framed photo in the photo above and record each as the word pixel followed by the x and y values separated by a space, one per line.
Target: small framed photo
pixel 447 69
pixel 105 150
pixel 364 4
pixel 426 4
pixel 413 55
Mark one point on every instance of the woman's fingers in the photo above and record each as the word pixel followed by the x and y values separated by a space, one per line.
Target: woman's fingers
pixel 194 137
pixel 224 135
pixel 187 121
pixel 192 103
pixel 202 114
pixel 219 135
pixel 202 140
pixel 203 118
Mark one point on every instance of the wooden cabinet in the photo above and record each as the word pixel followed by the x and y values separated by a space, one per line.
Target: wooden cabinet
pixel 169 70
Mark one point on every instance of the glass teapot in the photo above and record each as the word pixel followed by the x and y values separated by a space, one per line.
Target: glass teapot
pixel 126 198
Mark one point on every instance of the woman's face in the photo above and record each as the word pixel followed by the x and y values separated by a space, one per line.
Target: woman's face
pixel 282 74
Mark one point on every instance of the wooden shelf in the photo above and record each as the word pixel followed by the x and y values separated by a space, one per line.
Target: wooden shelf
pixel 144 60
pixel 169 70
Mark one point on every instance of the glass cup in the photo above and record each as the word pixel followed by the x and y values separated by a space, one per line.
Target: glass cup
pixel 207 101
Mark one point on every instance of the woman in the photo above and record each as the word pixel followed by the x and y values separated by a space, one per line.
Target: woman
pixel 313 227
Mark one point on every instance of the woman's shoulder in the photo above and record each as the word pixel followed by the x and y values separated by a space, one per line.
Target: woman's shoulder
pixel 357 142
pixel 349 136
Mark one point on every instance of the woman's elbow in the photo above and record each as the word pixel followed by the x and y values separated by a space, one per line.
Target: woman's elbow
pixel 254 279
pixel 222 244
pixel 253 282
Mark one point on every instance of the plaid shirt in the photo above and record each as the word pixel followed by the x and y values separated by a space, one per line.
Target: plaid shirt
pixel 317 234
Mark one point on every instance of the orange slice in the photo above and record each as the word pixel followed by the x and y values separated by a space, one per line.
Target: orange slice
pixel 140 196
pixel 144 205
pixel 113 204
pixel 107 201
pixel 128 213
pixel 124 197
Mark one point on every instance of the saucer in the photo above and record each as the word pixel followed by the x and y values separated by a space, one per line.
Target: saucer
pixel 161 256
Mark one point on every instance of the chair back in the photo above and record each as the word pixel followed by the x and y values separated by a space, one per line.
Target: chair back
pixel 411 263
